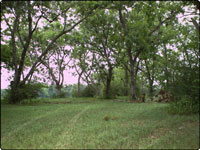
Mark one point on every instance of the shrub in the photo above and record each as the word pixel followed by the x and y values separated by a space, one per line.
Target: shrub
pixel 27 91
pixel 114 91
pixel 6 96
pixel 88 91
pixel 184 106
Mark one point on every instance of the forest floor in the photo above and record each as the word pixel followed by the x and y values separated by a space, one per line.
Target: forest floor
pixel 90 123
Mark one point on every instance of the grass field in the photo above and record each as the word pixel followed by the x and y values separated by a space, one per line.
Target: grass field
pixel 80 123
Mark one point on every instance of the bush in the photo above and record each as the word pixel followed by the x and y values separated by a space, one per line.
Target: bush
pixel 30 91
pixel 88 91
pixel 6 96
pixel 114 91
pixel 27 91
pixel 184 106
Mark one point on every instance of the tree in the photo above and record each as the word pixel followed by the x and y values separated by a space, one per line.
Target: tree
pixel 22 20
pixel 101 31
pixel 143 32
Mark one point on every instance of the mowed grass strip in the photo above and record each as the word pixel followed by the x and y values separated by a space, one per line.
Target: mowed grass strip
pixel 83 125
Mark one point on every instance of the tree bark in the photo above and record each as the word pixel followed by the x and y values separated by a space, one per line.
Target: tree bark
pixel 151 87
pixel 132 75
pixel 126 82
pixel 108 83
pixel 165 68
pixel 151 79
pixel 79 86
pixel 58 87
pixel 131 60
pixel 195 24
pixel 14 84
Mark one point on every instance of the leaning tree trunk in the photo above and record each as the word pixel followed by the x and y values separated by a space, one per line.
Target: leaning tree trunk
pixel 79 86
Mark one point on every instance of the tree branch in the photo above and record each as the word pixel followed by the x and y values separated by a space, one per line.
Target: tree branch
pixel 161 22
pixel 52 42
pixel 195 24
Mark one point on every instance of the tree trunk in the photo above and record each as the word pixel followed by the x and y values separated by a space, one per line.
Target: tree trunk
pixel 151 88
pixel 13 93
pixel 59 92
pixel 108 82
pixel 150 79
pixel 166 70
pixel 132 87
pixel 129 51
pixel 132 75
pixel 126 82
pixel 79 86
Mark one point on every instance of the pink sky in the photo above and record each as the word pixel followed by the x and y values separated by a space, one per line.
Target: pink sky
pixel 4 78
pixel 69 79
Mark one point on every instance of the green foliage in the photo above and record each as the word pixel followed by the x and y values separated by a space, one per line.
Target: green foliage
pixel 30 90
pixel 105 41
pixel 187 83
pixel 5 95
pixel 85 91
pixel 6 56
pixel 27 91
pixel 52 91
pixel 43 93
pixel 184 106
pixel 74 91
pixel 61 95
pixel 113 92
pixel 88 91
pixel 119 82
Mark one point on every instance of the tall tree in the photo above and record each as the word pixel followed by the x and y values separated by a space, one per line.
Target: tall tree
pixel 101 29
pixel 143 32
pixel 24 17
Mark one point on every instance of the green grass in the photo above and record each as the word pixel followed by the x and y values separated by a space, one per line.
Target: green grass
pixel 81 124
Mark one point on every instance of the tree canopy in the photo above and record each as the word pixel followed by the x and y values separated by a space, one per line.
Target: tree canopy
pixel 117 48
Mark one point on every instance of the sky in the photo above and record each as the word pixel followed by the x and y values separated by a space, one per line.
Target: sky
pixel 69 79
pixel 5 74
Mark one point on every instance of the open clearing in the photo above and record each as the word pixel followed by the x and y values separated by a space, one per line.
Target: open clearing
pixel 81 124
